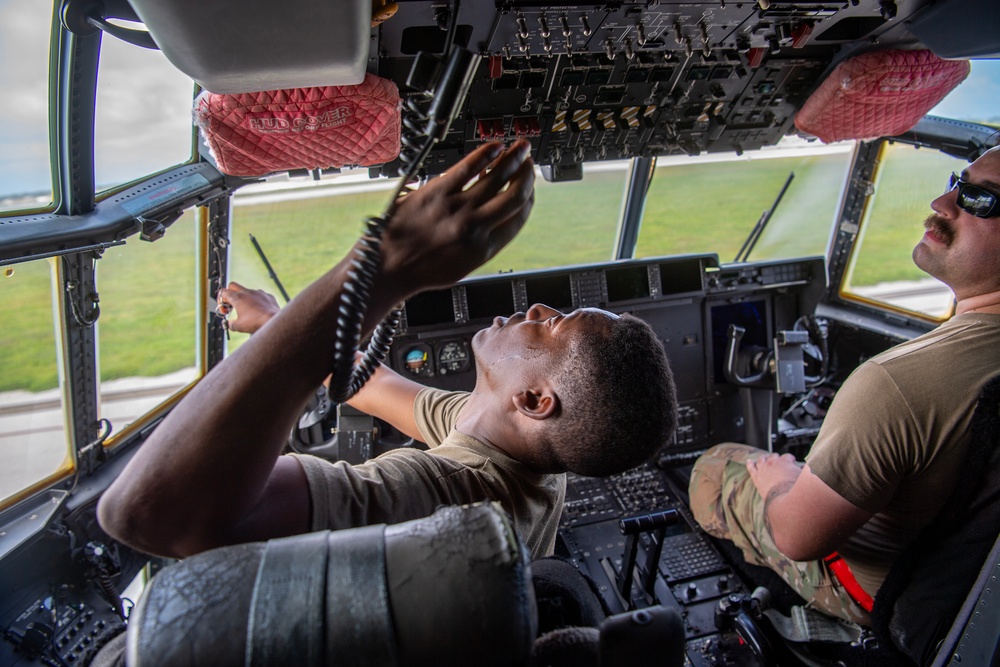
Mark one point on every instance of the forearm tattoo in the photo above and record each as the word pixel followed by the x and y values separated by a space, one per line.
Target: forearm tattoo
pixel 776 492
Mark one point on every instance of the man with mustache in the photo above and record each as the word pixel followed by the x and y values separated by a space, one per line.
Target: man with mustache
pixel 891 448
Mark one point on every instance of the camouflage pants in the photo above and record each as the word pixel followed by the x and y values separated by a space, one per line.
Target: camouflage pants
pixel 726 504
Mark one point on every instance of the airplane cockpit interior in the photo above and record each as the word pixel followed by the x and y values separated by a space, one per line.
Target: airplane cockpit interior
pixel 748 177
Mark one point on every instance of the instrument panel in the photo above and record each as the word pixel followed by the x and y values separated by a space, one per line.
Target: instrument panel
pixel 689 301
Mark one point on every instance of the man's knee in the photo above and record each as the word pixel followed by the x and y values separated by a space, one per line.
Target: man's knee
pixel 708 479
pixel 708 474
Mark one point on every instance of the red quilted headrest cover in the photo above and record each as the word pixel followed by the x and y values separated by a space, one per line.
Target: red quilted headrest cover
pixel 877 94
pixel 253 134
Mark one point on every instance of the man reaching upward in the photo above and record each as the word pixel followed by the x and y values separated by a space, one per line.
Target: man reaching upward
pixel 588 391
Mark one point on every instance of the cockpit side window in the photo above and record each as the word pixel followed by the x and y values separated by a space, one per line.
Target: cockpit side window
pixel 33 438
pixel 881 271
pixel 147 329
pixel 25 176
pixel 143 114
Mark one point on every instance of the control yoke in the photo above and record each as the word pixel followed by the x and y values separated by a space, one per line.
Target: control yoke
pixel 781 369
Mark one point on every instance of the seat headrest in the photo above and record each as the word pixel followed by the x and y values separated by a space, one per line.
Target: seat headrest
pixel 451 589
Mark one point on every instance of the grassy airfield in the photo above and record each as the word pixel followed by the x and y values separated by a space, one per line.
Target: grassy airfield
pixel 147 321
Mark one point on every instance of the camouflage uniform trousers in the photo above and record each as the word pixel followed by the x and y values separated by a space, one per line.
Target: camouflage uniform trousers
pixel 726 504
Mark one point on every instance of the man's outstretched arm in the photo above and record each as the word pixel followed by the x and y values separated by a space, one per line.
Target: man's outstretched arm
pixel 387 395
pixel 211 473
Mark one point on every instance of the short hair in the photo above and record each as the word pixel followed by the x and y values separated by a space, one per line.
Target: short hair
pixel 618 403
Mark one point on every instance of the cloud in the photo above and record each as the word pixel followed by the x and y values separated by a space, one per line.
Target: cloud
pixel 24 47
pixel 143 112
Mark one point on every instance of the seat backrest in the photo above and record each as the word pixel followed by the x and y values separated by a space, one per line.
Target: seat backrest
pixel 451 589
pixel 921 596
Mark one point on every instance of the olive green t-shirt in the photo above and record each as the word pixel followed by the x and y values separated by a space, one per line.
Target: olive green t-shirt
pixel 896 435
pixel 410 483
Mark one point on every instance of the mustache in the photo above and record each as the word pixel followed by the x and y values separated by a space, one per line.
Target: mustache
pixel 940 226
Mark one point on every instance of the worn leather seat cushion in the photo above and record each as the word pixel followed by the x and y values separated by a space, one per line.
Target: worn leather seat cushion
pixel 451 589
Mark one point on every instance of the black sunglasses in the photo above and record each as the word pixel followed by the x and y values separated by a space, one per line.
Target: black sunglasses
pixel 973 199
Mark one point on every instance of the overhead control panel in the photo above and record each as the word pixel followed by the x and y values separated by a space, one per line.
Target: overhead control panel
pixel 614 80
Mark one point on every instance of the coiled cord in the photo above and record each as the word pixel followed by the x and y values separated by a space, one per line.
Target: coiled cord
pixel 419 132
pixel 349 377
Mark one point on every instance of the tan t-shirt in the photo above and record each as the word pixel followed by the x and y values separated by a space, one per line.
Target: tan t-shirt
pixel 896 434
pixel 410 483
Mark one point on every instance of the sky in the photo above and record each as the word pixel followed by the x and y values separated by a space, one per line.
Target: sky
pixel 144 104
pixel 977 98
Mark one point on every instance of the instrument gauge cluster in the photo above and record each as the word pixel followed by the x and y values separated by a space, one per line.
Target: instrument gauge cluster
pixel 453 356
pixel 446 357
pixel 418 360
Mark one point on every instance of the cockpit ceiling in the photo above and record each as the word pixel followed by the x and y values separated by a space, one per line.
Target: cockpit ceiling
pixel 585 81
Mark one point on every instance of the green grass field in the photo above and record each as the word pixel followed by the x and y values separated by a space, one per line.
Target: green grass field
pixel 147 290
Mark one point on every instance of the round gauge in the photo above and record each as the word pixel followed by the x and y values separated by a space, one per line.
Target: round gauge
pixel 416 360
pixel 453 357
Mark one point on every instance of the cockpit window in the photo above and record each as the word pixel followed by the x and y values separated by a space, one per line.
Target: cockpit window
pixel 882 269
pixel 143 114
pixel 303 226
pixel 976 98
pixel 713 203
pixel 571 222
pixel 33 442
pixel 882 272
pixel 146 332
pixel 25 178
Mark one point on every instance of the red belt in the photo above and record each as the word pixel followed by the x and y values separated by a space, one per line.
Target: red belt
pixel 846 578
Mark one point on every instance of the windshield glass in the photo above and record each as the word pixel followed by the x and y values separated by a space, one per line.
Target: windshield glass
pixel 33 442
pixel 714 202
pixel 25 180
pixel 977 99
pixel 143 114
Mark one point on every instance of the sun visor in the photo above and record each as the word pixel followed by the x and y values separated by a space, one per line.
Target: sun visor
pixel 241 46
pixel 254 134
pixel 877 94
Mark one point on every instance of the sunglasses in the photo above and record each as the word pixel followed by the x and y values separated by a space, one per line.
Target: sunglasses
pixel 973 199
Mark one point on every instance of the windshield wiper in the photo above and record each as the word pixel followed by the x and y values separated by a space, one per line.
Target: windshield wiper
pixel 758 229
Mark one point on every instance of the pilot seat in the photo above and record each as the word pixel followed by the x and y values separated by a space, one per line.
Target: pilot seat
pixel 454 588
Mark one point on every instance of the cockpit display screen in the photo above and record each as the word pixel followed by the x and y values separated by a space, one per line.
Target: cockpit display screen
pixel 430 308
pixel 489 299
pixel 627 283
pixel 554 291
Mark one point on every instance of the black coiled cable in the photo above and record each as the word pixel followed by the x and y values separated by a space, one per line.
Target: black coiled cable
pixel 424 123
pixel 347 377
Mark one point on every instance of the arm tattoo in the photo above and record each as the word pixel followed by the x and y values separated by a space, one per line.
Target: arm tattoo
pixel 776 492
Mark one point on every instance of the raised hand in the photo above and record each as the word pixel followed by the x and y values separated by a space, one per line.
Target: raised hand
pixel 455 223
